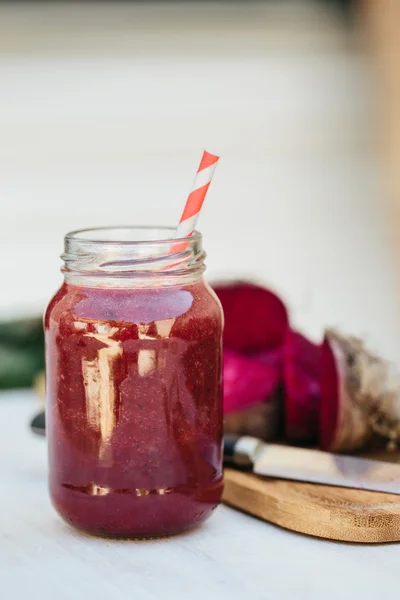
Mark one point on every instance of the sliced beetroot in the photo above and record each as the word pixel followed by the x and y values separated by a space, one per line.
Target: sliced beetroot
pixel 301 368
pixel 249 380
pixel 330 397
pixel 344 423
pixel 255 318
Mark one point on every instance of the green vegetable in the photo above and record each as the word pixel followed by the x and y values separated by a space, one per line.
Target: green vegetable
pixel 21 352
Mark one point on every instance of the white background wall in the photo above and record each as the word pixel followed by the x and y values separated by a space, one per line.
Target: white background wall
pixel 105 110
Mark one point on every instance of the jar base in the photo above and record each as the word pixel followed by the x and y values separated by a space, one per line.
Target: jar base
pixel 123 516
pixel 134 537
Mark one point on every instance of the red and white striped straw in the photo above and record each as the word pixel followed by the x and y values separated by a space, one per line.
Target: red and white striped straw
pixel 196 197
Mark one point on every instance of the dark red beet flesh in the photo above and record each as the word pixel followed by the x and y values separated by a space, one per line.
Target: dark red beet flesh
pixel 255 318
pixel 301 367
pixel 250 380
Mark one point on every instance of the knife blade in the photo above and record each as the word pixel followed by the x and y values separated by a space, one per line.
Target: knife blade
pixel 311 466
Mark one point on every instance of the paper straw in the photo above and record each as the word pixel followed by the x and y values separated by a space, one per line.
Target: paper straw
pixel 196 197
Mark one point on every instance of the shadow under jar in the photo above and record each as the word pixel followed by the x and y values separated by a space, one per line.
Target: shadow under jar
pixel 134 384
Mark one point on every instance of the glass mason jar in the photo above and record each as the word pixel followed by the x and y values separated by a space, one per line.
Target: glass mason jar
pixel 134 384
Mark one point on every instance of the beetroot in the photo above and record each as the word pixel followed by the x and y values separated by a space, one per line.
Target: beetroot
pixel 348 386
pixel 301 368
pixel 255 318
pixel 249 380
pixel 329 414
pixel 339 391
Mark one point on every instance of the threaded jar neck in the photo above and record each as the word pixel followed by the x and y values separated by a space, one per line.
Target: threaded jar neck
pixel 131 257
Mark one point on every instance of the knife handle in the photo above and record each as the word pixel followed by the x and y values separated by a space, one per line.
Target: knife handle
pixel 230 441
pixel 241 451
pixel 38 424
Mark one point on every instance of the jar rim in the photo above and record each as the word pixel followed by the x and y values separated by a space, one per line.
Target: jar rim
pixel 126 253
pixel 89 235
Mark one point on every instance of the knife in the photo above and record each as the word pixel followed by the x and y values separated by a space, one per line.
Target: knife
pixel 38 424
pixel 312 466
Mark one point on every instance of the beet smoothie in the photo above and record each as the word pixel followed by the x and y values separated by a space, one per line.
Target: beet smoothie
pixel 134 414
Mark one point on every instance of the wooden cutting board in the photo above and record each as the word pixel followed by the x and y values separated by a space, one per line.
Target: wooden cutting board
pixel 319 510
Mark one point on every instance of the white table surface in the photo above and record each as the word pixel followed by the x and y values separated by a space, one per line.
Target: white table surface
pixel 232 556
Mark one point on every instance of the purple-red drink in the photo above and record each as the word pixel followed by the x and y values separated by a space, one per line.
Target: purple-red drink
pixel 134 415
